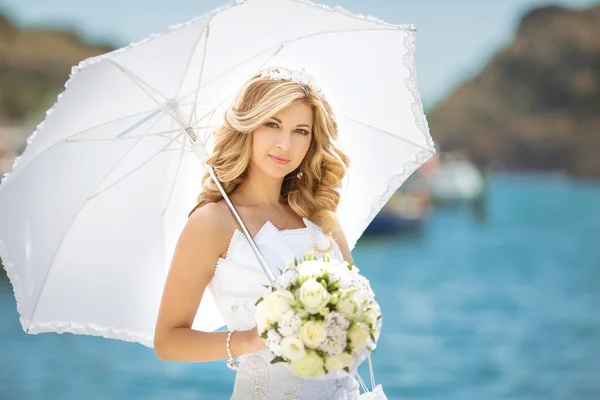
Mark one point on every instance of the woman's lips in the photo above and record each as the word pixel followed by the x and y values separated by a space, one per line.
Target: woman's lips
pixel 279 160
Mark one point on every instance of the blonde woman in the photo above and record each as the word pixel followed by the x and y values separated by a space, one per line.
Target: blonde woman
pixel 275 158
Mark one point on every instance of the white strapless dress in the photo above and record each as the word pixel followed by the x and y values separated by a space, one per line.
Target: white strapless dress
pixel 236 286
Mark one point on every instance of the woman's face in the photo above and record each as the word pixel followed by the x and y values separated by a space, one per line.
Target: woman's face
pixel 281 143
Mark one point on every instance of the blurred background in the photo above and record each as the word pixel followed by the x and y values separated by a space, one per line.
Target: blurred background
pixel 486 262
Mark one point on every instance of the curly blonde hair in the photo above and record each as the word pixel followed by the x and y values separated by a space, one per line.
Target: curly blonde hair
pixel 315 195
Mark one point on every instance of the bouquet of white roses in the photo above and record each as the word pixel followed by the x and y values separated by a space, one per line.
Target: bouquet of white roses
pixel 321 317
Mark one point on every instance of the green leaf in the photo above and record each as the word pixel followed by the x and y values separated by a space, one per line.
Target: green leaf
pixel 277 360
pixel 264 335
pixel 258 301
pixel 347 369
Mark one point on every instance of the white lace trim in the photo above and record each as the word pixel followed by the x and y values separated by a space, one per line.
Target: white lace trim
pixel 341 10
pixel 14 280
pixel 237 234
pixel 66 326
pixel 422 156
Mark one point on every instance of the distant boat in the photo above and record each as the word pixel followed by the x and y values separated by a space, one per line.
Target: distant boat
pixel 456 180
pixel 406 212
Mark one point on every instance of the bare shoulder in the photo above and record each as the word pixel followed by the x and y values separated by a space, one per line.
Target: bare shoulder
pixel 214 223
pixel 340 238
pixel 201 241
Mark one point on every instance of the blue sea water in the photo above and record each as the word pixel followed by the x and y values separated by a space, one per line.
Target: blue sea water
pixel 502 308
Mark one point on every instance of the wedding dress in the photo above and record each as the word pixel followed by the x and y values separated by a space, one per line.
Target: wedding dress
pixel 236 286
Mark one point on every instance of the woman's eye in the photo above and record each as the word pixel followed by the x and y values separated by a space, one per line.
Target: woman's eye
pixel 302 131
pixel 271 124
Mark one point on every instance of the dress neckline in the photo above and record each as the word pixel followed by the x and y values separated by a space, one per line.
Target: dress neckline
pixel 305 221
pixel 267 225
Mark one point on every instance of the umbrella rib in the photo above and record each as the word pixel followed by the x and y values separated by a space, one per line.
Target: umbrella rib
pixel 79 211
pixel 181 154
pixel 67 139
pixel 173 140
pixel 216 78
pixel 279 47
pixel 206 132
pixel 195 103
pixel 387 133
pixel 193 53
pixel 214 109
pixel 136 79
pixel 110 122
pixel 139 81
pixel 160 133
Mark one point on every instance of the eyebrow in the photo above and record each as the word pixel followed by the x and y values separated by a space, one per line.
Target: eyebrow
pixel 278 120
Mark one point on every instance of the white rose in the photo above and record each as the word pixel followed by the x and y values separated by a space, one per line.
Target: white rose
pixel 313 296
pixel 290 324
pixel 372 315
pixel 292 348
pixel 338 362
pixel 334 345
pixel 274 305
pixel 311 269
pixel 262 323
pixel 358 335
pixel 311 364
pixel 351 308
pixel 313 333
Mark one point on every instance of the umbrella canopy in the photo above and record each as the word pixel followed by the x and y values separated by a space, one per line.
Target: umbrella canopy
pixel 91 213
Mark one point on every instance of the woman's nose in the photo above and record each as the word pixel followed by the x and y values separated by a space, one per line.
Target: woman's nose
pixel 284 140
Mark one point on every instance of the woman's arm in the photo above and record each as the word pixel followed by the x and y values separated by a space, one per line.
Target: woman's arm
pixel 202 241
pixel 340 238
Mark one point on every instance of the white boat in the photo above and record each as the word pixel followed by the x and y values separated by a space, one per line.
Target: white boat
pixel 456 179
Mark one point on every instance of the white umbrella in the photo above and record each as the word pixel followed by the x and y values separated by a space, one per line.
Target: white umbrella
pixel 91 212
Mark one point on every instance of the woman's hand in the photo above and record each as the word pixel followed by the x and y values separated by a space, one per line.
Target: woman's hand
pixel 250 341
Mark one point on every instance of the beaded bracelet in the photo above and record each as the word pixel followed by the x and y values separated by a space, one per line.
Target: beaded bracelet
pixel 231 363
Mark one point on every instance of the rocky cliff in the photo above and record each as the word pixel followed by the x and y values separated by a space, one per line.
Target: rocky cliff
pixel 34 65
pixel 536 105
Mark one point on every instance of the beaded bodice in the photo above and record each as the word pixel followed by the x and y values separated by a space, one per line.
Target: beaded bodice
pixel 237 284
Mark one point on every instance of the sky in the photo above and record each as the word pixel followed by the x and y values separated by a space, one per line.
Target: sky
pixel 455 39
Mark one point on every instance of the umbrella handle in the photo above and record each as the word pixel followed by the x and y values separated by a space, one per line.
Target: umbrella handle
pixel 199 148
pixel 261 259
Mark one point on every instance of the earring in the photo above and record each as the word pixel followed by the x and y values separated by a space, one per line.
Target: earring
pixel 299 175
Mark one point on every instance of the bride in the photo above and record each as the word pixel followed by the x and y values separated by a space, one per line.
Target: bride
pixel 275 158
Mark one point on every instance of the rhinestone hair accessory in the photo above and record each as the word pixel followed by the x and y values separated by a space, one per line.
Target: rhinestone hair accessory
pixel 286 74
